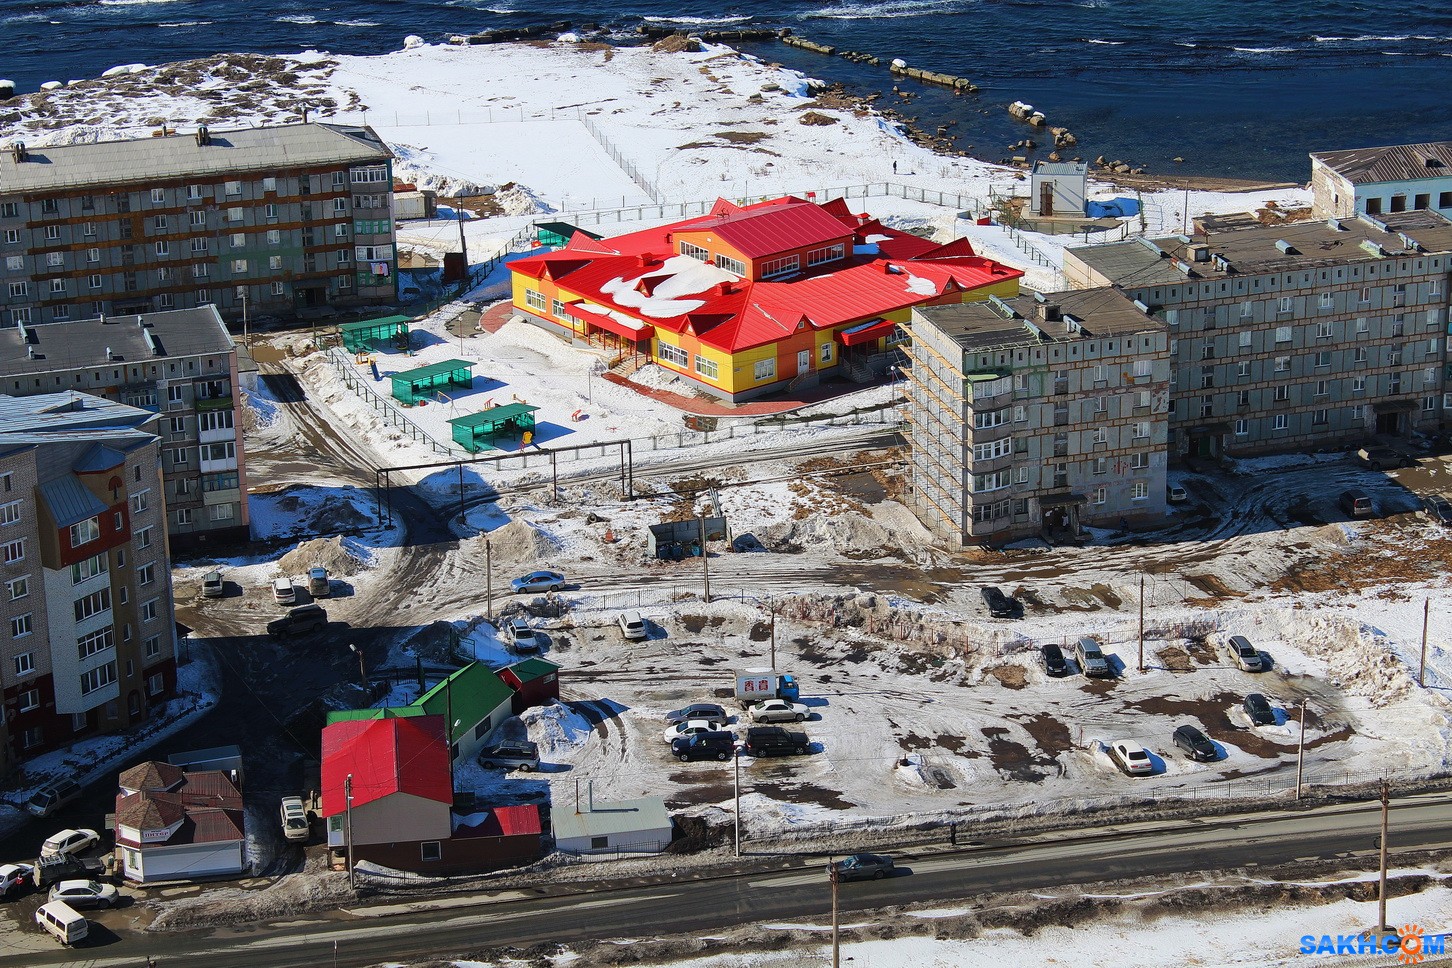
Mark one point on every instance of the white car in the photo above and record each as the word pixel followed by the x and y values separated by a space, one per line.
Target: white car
pixel 632 626
pixel 689 728
pixel 521 636
pixel 85 894
pixel 778 711
pixel 69 842
pixel 1134 758
pixel 14 878
pixel 1176 494
pixel 294 819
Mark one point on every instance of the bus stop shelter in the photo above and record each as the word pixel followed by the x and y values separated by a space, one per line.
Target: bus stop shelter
pixel 411 386
pixel 477 431
pixel 359 337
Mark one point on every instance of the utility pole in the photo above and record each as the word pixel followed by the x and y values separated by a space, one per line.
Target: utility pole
pixel 772 605
pixel 348 800
pixel 1301 751
pixel 463 252
pixel 362 676
pixel 835 877
pixel 1141 622
pixel 705 559
pixel 1381 925
pixel 242 292
pixel 1426 616
pixel 488 580
pixel 738 805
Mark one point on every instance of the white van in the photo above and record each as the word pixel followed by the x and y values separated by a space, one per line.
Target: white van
pixel 283 592
pixel 63 921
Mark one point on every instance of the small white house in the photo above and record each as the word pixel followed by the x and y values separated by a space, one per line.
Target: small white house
pixel 625 826
pixel 1058 188
pixel 172 825
pixel 1382 181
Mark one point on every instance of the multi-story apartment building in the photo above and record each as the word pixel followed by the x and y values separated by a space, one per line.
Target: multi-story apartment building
pixel 1037 415
pixel 1382 181
pixel 181 364
pixel 88 641
pixel 1303 335
pixel 282 218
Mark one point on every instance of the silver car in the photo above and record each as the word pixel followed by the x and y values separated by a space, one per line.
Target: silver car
pixel 1246 656
pixel 861 867
pixel 522 756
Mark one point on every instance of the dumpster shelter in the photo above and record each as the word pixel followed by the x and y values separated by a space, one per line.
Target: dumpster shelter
pixel 411 386
pixel 478 431
pixel 360 337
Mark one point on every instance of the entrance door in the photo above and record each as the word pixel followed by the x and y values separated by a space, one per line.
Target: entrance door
pixel 1388 423
pixel 804 362
pixel 1046 198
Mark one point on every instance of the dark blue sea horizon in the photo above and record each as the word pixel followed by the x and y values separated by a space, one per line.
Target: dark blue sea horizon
pixel 1241 88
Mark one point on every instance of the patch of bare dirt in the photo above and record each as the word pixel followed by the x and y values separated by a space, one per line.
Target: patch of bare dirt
pixel 816 119
pixel 1009 676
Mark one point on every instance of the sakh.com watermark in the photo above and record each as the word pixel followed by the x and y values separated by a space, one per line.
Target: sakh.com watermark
pixel 1411 945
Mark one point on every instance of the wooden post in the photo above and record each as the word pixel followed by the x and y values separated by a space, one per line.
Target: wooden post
pixel 1426 616
pixel 705 559
pixel 1301 751
pixel 772 605
pixel 1141 622
pixel 1381 925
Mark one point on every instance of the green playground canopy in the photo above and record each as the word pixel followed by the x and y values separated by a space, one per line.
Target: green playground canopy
pixel 411 386
pixel 477 431
pixel 360 336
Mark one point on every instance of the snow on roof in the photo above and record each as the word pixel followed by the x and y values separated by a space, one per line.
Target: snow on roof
pixel 678 276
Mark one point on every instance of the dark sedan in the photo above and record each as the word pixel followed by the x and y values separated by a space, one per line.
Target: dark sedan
pixel 1259 709
pixel 1053 659
pixel 999 604
pixel 1438 510
pixel 1195 744
pixel 861 867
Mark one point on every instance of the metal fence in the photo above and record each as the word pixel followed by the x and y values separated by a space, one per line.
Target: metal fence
pixel 625 164
pixel 348 370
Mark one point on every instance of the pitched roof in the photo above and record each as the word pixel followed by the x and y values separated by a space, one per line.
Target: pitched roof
pixel 761 231
pixel 467 696
pixel 522 821
pixel 205 806
pixel 145 812
pixel 1362 166
pixel 617 817
pixel 151 775
pixel 531 669
pixel 384 757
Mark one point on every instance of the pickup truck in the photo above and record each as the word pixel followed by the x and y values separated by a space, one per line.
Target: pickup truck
pixel 775 741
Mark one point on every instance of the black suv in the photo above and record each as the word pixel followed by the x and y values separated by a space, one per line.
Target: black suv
pixel 300 620
pixel 1195 744
pixel 1259 710
pixel 774 741
pixel 719 746
pixel 1053 659
pixel 999 604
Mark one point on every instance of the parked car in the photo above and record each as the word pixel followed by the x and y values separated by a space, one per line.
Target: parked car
pixel 1357 504
pixel 295 824
pixel 1053 659
pixel 632 626
pixel 778 711
pixel 63 922
pixel 282 591
pixel 774 741
pixel 51 797
pixel 709 711
pixel 1246 656
pixel 1438 510
pixel 299 621
pixel 861 867
pixel 519 755
pixel 1197 745
pixel 1382 458
pixel 1176 494
pixel 717 745
pixel 69 842
pixel 689 728
pixel 1133 758
pixel 85 894
pixel 521 636
pixel 212 585
pixel 1091 658
pixel 1259 710
pixel 15 879
pixel 539 581
pixel 319 585
pixel 999 604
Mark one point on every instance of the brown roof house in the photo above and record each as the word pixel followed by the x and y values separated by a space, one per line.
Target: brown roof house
pixel 172 825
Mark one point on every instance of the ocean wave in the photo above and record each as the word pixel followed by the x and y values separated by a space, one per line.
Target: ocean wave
pixel 1264 50
pixel 186 23
pixel 297 18
pixel 1107 43
pixel 700 21
pixel 356 23
pixel 133 3
pixel 888 10
pixel 1364 38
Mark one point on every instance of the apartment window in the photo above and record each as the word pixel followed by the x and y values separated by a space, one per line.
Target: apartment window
pixel 1242 368
pixel 13 551
pixel 1246 308
pixel 1323 358
pixel 9 210
pixel 154 684
pixel 345 256
pixel 671 354
pixel 429 851
pixel 158 195
pixel 18 289
pixel 1099 436
pixel 1321 388
pixel 991 481
pixel 345 282
pixel 270 211
pixel 146 574
pixel 1279 422
pixel 158 222
pixel 1429 404
pixel 93 604
pixel 340 231
pixel 274 262
pixel 1101 465
pixel 18 587
pixel 1282 393
pixel 194 193
pixel 1284 306
pixel 29 699
pixel 20 626
pixel 98 641
pixel 1283 364
pixel 731 265
pixel 239 265
pixel 1283 334
pixel 1101 495
pixel 830 253
pixel 1242 427
pixel 706 368
pixel 183 516
pixel 1327 300
pixel 1139 490
pixel 149 610
pixel 764 369
pixel 1358 384
pixel 340 206
pixel 534 300
pixel 1142 367
pixel 89 230
pixel 1323 330
pixel 140 501
pixel 12 236
pixel 1142 429
pixel 1399 325
pixel 269 184
pixel 95 281
pixel 993 450
pixel 233 188
pixel 57 286
pixel 163 248
pixel 1360 356
pixel 153 647
pixel 1320 417
pixel 85 532
pixel 236 215
pixel 986 419
pixel 778 267
pixel 97 678
pixel 1244 339
pixel 24 663
pixel 226 450
pixel 1139 460
pixel 200 271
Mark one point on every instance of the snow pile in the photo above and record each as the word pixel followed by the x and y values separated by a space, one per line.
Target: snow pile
pixel 515 199
pixel 260 411
pixel 557 729
pixel 330 553
pixel 854 535
pixel 517 543
pixel 1358 657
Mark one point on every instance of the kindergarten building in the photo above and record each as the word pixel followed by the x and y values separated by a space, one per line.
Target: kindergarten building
pixel 747 300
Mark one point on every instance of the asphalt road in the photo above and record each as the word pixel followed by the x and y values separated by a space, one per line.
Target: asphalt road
pixel 405 933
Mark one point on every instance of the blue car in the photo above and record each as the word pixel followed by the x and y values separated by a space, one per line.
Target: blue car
pixel 539 581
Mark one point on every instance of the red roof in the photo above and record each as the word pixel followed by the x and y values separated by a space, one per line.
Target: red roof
pixel 385 756
pixel 762 231
pixel 206 802
pixel 503 822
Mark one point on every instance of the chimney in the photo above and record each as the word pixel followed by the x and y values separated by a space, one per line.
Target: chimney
pixel 725 288
pixel 204 137
pixel 648 259
pixel 108 354
pixel 1049 312
pixel 305 114
pixel 19 151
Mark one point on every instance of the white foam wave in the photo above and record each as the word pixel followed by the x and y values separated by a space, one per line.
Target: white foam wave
pixel 357 23
pixel 297 18
pixel 133 3
pixel 888 10
pixel 1107 43
pixel 186 23
pixel 1264 50
pixel 699 21
pixel 1365 38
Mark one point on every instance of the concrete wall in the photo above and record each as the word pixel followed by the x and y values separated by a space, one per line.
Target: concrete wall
pixel 181 862
pixel 400 816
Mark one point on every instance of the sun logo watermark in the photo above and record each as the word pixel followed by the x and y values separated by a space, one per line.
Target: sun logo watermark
pixel 1412 949
pixel 1411 944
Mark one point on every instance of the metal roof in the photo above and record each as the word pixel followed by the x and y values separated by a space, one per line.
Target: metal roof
pixel 56 416
pixel 85 343
pixel 494 415
pixel 1060 168
pixel 618 817
pixel 384 757
pixel 1363 166
pixel 432 370
pixel 69 501
pixel 145 160
pixel 774 228
pixel 98 459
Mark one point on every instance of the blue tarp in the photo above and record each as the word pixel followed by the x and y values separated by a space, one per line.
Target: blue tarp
pixel 1114 208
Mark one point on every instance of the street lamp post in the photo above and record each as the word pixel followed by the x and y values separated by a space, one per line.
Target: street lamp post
pixel 242 295
pixel 362 676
